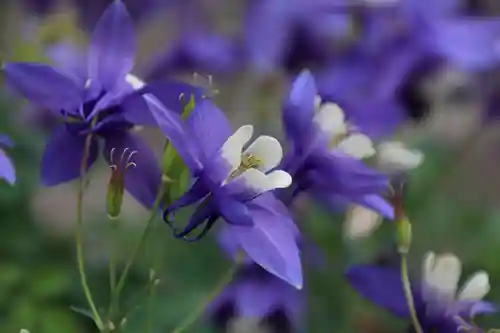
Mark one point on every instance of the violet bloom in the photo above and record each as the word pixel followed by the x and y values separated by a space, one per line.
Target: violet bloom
pixel 256 301
pixel 325 156
pixel 293 34
pixel 94 102
pixel 7 171
pixel 231 182
pixel 437 303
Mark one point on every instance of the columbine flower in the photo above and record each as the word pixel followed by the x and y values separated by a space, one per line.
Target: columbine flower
pixel 95 103
pixel 231 182
pixel 258 300
pixel 7 171
pixel 292 35
pixel 437 302
pixel 325 152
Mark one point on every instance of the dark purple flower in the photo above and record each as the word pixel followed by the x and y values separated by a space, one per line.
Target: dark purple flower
pixel 7 171
pixel 259 300
pixel 325 154
pixel 39 7
pixel 437 303
pixel 95 101
pixel 231 183
pixel 292 34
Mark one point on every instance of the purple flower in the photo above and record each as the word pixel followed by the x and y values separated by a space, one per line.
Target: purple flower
pixel 7 171
pixel 197 49
pixel 259 300
pixel 325 155
pixel 437 303
pixel 234 183
pixel 39 7
pixel 95 101
pixel 292 34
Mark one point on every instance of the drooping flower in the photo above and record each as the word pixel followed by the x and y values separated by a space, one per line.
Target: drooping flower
pixel 325 155
pixel 258 302
pixel 95 102
pixel 437 303
pixel 231 182
pixel 7 170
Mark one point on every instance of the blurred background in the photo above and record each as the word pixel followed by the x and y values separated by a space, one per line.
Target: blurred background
pixel 424 72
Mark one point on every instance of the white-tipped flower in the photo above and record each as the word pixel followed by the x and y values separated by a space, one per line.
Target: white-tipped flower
pixel 330 119
pixel 361 222
pixel 253 165
pixel 394 157
pixel 441 274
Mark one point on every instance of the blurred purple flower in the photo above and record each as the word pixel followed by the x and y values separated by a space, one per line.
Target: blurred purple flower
pixel 292 34
pixel 234 184
pixel 7 170
pixel 436 303
pixel 329 172
pixel 197 49
pixel 258 298
pixel 39 7
pixel 94 101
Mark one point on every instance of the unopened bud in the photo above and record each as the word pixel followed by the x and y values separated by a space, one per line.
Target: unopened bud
pixel 403 235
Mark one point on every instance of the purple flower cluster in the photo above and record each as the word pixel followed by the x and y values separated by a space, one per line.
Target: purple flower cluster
pixel 337 102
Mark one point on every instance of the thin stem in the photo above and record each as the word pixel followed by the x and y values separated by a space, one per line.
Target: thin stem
pixel 151 300
pixel 408 294
pixel 79 235
pixel 112 261
pixel 195 314
pixel 115 298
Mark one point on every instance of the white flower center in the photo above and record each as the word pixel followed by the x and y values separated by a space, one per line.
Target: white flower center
pixel 255 163
pixel 330 119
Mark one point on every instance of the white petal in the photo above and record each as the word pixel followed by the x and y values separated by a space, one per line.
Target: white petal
pixel 279 179
pixel 255 180
pixel 268 150
pixel 358 146
pixel 361 222
pixel 444 274
pixel 476 287
pixel 134 81
pixel 317 102
pixel 331 120
pixel 394 156
pixel 232 149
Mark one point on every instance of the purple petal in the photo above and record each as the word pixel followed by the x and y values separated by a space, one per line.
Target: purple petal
pixel 62 158
pixel 69 60
pixel 143 180
pixel 210 127
pixel 112 48
pixel 470 43
pixel 44 86
pixel 482 307
pixel 272 245
pixel 382 286
pixel 378 204
pixel 5 141
pixel 7 170
pixel 298 110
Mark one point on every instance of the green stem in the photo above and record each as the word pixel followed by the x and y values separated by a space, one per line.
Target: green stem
pixel 151 300
pixel 405 279
pixel 115 298
pixel 79 236
pixel 195 314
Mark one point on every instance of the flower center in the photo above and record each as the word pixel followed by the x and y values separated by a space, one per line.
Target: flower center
pixel 248 161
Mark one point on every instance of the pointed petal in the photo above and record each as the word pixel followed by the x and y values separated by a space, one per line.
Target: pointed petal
pixel 69 60
pixel 112 47
pixel 168 94
pixel 377 204
pixel 143 180
pixel 299 108
pixel 476 287
pixel 62 158
pixel 44 86
pixel 267 150
pixel 7 170
pixel 210 127
pixel 271 244
pixel 482 307
pixel 382 286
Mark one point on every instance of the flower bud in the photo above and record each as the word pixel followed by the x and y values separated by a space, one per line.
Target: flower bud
pixel 403 235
